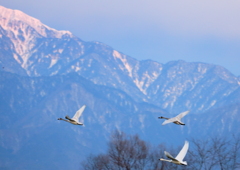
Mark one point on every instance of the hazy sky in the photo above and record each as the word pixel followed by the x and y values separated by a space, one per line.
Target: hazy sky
pixel 161 30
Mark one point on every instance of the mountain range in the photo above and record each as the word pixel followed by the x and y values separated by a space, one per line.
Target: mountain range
pixel 47 74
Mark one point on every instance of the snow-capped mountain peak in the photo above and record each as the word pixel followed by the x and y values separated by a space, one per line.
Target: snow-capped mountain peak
pixel 24 30
pixel 10 18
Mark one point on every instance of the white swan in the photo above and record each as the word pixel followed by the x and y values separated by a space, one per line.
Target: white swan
pixel 176 120
pixel 179 158
pixel 75 119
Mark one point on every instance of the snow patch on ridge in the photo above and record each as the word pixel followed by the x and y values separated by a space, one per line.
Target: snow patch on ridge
pixel 123 59
pixel 54 60
pixel 146 81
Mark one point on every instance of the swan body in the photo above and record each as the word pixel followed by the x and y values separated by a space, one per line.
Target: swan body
pixel 179 158
pixel 75 119
pixel 176 120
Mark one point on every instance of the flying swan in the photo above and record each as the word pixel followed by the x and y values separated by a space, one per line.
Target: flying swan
pixel 179 158
pixel 176 120
pixel 75 119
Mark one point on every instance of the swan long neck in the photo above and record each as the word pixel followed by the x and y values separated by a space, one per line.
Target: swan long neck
pixel 64 119
pixel 163 117
pixel 165 160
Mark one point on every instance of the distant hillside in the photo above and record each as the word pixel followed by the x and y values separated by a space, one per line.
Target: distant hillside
pixel 46 74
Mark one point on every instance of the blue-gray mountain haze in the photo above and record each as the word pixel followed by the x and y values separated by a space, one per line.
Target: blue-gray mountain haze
pixel 46 74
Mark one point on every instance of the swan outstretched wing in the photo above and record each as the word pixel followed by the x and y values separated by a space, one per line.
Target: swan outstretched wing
pixel 181 115
pixel 78 113
pixel 183 152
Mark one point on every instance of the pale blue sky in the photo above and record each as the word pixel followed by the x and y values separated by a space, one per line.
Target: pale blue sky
pixel 161 30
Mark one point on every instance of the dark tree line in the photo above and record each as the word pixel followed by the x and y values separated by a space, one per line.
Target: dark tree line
pixel 129 152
